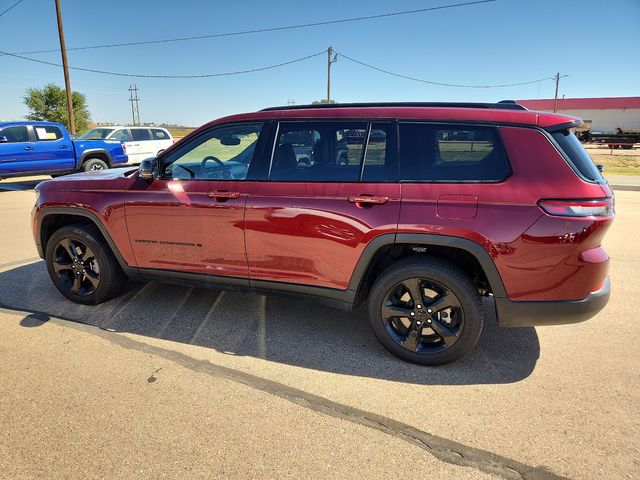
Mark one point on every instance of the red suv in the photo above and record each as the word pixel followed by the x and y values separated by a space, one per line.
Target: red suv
pixel 420 209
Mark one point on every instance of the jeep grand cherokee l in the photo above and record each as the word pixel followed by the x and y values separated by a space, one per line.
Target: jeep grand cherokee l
pixel 432 207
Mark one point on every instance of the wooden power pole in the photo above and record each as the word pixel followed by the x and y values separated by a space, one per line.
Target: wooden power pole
pixel 67 82
pixel 555 98
pixel 329 62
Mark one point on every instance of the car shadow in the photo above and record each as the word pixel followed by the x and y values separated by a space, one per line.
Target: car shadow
pixel 9 185
pixel 275 328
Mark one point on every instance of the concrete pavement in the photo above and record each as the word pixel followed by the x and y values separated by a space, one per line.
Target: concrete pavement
pixel 185 382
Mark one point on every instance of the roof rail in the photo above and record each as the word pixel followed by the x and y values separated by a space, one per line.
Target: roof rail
pixel 501 105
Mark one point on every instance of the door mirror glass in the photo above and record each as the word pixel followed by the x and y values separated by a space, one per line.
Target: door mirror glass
pixel 147 169
pixel 3 139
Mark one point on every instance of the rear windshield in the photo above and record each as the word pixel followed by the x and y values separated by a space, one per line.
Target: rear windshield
pixel 96 134
pixel 577 155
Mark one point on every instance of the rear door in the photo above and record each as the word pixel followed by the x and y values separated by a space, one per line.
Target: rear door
pixel 323 198
pixel 52 149
pixel 143 143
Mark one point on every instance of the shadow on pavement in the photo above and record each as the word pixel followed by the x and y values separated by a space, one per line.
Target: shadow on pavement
pixel 278 329
pixel 19 185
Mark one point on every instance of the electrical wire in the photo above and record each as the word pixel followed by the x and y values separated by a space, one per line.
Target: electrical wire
pixel 442 84
pixel 11 7
pixel 264 30
pixel 133 75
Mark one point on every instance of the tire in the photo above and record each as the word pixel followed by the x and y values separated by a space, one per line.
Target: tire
pixel 101 277
pixel 94 165
pixel 430 336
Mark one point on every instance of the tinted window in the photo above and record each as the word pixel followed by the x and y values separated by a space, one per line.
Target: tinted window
pixel 159 134
pixel 47 133
pixel 380 159
pixel 454 153
pixel 15 134
pixel 96 134
pixel 578 156
pixel 123 135
pixel 140 134
pixel 319 152
pixel 221 154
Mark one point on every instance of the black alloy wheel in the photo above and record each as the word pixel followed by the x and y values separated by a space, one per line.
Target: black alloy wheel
pixel 76 266
pixel 422 316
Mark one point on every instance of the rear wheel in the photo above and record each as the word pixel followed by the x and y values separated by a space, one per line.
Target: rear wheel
pixel 426 311
pixel 82 266
pixel 94 165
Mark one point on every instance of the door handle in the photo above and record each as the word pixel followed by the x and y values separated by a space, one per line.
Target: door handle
pixel 28 148
pixel 223 194
pixel 366 199
pixel 63 147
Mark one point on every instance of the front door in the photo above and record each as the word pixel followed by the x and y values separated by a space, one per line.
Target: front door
pixel 191 218
pixel 331 188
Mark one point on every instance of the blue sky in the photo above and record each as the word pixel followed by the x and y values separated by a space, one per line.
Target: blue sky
pixel 506 41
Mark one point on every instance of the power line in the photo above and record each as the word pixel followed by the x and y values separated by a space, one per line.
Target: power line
pixel 442 84
pixel 134 75
pixel 272 29
pixel 11 7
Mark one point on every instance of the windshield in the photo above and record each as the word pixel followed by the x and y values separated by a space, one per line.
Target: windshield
pixel 96 134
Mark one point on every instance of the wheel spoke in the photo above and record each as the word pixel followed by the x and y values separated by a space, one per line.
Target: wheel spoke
pixel 412 339
pixel 77 283
pixel 60 265
pixel 92 277
pixel 415 290
pixel 389 311
pixel 70 247
pixel 449 336
pixel 87 255
pixel 444 301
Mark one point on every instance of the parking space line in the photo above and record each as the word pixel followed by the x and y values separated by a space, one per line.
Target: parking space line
pixel 206 318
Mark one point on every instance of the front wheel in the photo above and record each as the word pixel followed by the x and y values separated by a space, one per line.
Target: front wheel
pixel 82 266
pixel 426 311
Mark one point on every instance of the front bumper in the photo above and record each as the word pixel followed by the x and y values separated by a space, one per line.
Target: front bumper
pixel 529 314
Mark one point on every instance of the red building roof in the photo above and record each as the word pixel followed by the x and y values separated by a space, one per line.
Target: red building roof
pixel 582 103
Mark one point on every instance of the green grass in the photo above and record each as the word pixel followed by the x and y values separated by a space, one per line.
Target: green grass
pixel 617 164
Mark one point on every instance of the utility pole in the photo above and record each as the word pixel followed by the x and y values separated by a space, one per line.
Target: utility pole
pixel 329 62
pixel 133 98
pixel 67 82
pixel 557 78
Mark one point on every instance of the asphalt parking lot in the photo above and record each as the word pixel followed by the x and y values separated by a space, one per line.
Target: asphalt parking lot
pixel 175 381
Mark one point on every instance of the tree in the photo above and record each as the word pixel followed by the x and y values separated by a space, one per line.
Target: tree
pixel 49 103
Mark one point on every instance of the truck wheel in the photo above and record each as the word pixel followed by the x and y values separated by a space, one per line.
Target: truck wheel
pixel 82 266
pixel 94 165
pixel 426 311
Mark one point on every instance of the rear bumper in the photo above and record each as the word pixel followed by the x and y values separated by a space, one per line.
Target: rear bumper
pixel 529 314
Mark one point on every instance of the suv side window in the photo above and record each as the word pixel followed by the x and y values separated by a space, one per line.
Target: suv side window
pixel 451 153
pixel 380 163
pixel 318 152
pixel 16 134
pixel 140 134
pixel 47 133
pixel 159 134
pixel 223 153
pixel 123 135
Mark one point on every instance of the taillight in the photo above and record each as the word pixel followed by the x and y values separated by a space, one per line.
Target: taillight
pixel 601 207
pixel 124 147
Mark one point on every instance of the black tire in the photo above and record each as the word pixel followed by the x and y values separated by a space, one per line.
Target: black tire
pixel 459 326
pixel 94 165
pixel 101 277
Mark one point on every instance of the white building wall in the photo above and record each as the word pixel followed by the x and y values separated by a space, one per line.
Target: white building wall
pixel 607 120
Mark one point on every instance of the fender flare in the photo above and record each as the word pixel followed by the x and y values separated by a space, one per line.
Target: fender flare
pixel 81 212
pixel 475 249
pixel 88 154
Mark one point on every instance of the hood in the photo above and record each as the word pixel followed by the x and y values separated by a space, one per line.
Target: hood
pixel 109 174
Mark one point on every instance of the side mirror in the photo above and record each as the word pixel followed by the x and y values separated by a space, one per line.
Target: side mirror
pixel 148 169
pixel 4 140
pixel 600 167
